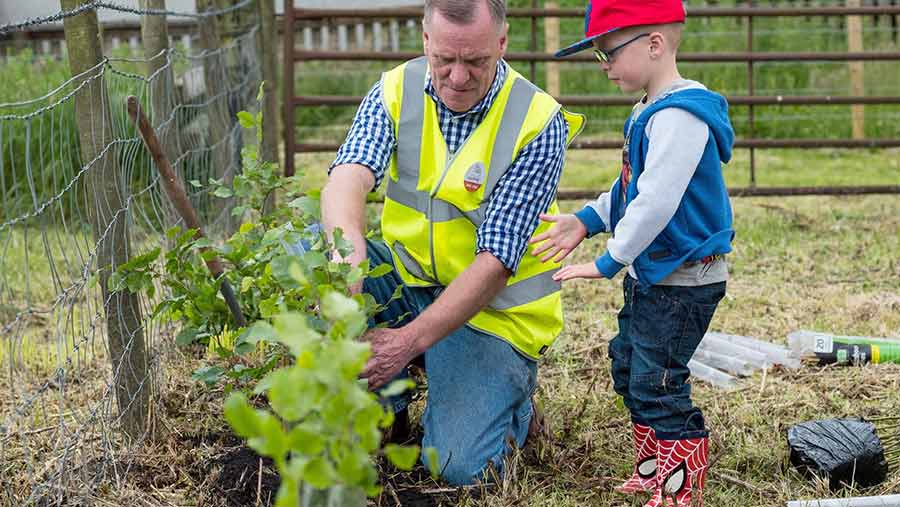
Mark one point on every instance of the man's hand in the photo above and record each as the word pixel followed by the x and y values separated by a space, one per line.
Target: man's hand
pixel 559 241
pixel 587 270
pixel 392 350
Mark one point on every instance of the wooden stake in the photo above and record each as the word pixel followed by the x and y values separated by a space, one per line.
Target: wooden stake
pixel 176 193
pixel 857 77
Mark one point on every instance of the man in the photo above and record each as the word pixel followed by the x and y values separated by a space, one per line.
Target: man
pixel 472 154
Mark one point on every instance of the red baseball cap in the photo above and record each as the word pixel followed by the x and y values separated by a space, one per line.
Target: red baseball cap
pixel 605 16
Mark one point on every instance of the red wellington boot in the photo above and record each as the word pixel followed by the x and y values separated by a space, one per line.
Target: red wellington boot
pixel 644 476
pixel 681 472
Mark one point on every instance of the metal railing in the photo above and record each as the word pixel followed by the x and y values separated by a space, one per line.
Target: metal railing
pixel 292 102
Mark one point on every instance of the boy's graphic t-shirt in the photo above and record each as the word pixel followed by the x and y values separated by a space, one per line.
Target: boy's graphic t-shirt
pixel 625 175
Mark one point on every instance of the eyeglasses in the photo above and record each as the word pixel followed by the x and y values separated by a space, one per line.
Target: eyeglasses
pixel 607 56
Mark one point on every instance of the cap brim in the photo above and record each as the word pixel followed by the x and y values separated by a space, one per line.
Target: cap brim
pixel 575 48
pixel 581 45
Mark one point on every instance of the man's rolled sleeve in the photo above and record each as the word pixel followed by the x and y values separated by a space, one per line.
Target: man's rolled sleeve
pixel 370 141
pixel 525 191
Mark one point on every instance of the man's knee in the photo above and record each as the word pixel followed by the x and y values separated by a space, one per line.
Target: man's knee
pixel 461 470
pixel 461 461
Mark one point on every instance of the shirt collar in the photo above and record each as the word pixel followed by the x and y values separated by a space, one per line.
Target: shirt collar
pixel 485 103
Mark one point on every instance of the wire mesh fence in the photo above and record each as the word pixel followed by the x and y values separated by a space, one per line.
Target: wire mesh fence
pixel 78 201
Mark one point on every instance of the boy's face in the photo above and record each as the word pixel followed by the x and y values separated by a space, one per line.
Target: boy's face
pixel 629 64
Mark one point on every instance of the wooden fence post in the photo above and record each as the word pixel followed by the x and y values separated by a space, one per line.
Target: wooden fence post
pixel 267 47
pixel 857 77
pixel 128 355
pixel 155 36
pixel 551 43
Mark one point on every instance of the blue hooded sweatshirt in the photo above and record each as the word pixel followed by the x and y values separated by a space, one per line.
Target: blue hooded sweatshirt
pixel 702 223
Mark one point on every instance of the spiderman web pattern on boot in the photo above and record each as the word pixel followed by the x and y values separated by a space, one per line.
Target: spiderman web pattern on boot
pixel 682 472
pixel 644 476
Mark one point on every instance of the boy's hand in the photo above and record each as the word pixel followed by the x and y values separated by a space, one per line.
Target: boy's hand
pixel 566 233
pixel 587 270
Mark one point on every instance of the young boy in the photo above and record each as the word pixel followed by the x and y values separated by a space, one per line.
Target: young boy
pixel 671 224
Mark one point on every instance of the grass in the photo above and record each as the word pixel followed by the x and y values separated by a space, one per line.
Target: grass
pixel 827 264
pixel 822 263
pixel 596 169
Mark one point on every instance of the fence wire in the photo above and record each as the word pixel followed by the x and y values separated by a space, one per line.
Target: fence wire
pixel 60 441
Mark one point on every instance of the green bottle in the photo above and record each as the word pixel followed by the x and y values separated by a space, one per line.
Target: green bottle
pixel 835 349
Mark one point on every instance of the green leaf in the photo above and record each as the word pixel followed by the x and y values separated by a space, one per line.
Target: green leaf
pixel 246 227
pixel 269 307
pixel 336 306
pixel 271 439
pixel 241 416
pixel 319 473
pixel 402 457
pixel 223 192
pixel 352 465
pixel 115 282
pixel 209 375
pixel 246 120
pixel 397 387
pixel 172 232
pixel 297 274
pixel 258 331
pixel 274 235
pixel 314 259
pixel 306 440
pixel 306 205
pixel 292 330
pixel 380 270
pixel 187 336
pixel 288 401
pixel 342 245
pixel 246 284
pixel 433 462
pixel 141 261
pixel 283 272
pixel 195 183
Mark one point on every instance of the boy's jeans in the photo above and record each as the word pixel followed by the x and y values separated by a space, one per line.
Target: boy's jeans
pixel 479 386
pixel 660 327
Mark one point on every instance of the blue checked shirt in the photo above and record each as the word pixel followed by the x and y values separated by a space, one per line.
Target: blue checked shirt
pixel 526 190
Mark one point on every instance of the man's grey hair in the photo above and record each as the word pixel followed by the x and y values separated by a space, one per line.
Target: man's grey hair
pixel 462 12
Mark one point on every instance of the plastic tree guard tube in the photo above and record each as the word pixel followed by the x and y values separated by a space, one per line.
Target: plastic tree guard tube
pixel 867 501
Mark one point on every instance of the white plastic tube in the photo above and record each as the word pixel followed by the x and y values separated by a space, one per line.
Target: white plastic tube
pixel 733 365
pixel 713 376
pixel 868 501
pixel 752 357
pixel 776 353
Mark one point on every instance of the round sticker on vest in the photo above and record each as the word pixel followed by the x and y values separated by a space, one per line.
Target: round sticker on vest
pixel 474 177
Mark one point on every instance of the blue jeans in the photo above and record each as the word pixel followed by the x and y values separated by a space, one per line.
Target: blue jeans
pixel 660 327
pixel 479 386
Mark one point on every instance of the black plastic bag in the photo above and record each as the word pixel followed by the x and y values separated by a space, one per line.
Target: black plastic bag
pixel 845 451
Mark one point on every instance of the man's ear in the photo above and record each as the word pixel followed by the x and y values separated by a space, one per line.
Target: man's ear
pixel 504 39
pixel 425 41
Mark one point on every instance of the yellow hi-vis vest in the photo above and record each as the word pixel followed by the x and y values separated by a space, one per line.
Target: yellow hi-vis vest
pixel 436 201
